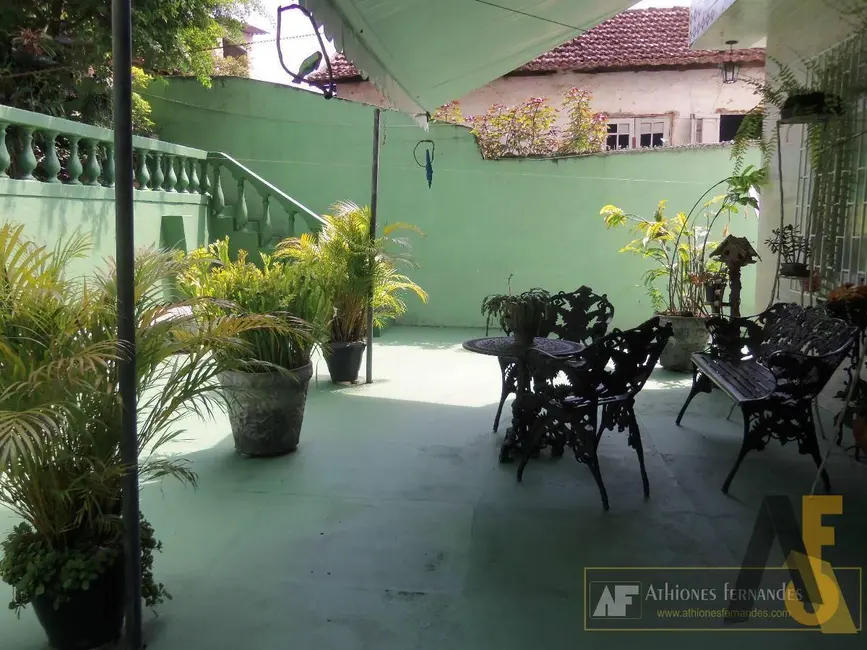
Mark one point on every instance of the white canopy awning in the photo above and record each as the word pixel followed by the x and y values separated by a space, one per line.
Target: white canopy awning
pixel 422 54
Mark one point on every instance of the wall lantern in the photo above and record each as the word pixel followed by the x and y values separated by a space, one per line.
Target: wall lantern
pixel 729 66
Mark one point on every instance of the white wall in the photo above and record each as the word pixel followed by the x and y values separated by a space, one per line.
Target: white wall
pixel 798 30
pixel 680 94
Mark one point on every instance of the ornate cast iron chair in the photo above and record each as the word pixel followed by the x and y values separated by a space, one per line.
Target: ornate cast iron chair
pixel 608 373
pixel 773 366
pixel 581 316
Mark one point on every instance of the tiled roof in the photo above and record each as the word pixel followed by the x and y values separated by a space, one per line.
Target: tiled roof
pixel 639 38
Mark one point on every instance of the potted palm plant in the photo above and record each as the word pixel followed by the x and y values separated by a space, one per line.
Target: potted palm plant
pixel 267 390
pixel 679 248
pixel 355 268
pixel 61 469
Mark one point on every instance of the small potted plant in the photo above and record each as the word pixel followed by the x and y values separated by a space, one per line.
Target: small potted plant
pixel 353 268
pixel 266 391
pixel 714 283
pixel 793 251
pixel 523 316
pixel 849 302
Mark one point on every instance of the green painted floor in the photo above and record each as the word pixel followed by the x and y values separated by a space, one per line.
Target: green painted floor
pixel 394 528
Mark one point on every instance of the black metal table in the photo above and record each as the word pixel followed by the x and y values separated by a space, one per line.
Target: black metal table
pixel 504 347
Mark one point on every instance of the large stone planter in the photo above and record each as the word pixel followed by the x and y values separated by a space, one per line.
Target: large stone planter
pixel 266 409
pixel 689 336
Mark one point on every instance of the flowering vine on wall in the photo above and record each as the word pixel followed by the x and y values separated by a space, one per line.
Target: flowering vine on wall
pixel 530 128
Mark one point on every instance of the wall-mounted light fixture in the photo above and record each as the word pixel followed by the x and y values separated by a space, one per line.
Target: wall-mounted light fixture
pixel 729 66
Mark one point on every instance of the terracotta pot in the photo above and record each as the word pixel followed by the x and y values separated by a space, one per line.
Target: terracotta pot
pixel 689 336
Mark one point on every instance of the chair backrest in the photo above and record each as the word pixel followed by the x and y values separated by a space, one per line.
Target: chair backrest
pixel 634 354
pixel 803 348
pixel 581 316
pixel 813 331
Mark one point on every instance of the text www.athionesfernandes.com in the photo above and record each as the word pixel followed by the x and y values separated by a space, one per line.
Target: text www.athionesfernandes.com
pixel 722 612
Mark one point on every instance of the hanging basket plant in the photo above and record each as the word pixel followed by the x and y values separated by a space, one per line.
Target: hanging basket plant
pixel 810 105
pixel 793 251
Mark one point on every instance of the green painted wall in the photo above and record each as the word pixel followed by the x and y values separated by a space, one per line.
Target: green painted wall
pixel 51 212
pixel 484 220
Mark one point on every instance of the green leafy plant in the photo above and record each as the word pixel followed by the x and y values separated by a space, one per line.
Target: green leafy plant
pixel 353 267
pixel 679 246
pixel 530 127
pixel 524 313
pixel 61 468
pixel 283 290
pixel 790 244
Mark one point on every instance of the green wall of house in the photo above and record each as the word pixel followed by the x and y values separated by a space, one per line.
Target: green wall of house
pixel 51 212
pixel 537 220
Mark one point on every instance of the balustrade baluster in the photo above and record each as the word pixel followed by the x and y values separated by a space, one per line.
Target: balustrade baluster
pixel 144 174
pixel 73 166
pixel 171 177
pixel 265 223
pixel 50 163
pixel 5 158
pixel 206 179
pixel 194 176
pixel 241 208
pixel 218 200
pixel 108 170
pixel 183 179
pixel 157 177
pixel 292 216
pixel 25 161
pixel 91 164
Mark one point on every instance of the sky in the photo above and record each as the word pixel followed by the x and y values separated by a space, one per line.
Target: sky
pixel 299 41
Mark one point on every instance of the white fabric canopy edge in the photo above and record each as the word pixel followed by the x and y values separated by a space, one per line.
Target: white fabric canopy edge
pixel 337 29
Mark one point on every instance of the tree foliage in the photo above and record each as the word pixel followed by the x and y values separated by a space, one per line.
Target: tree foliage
pixel 531 127
pixel 55 55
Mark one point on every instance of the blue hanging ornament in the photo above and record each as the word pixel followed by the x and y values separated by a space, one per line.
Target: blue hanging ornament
pixel 428 159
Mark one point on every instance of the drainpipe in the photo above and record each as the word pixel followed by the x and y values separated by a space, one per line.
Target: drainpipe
pixel 374 195
pixel 121 40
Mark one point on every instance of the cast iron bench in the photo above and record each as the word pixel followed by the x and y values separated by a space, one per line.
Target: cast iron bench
pixel 773 366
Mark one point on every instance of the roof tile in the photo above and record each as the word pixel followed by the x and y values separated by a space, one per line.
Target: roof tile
pixel 638 38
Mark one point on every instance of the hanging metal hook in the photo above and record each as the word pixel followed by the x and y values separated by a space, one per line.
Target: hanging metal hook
pixel 428 159
pixel 312 62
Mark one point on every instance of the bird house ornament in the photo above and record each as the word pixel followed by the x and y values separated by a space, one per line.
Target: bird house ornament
pixel 735 253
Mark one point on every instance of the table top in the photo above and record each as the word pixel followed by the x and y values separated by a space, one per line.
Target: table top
pixel 504 346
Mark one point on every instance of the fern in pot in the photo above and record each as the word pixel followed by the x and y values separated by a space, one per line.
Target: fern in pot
pixel 355 270
pixel 61 468
pixel 523 316
pixel 266 392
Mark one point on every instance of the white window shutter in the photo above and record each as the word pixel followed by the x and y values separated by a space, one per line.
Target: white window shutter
pixel 710 129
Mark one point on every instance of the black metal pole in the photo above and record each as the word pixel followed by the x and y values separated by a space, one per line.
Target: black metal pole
pixel 374 192
pixel 121 32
